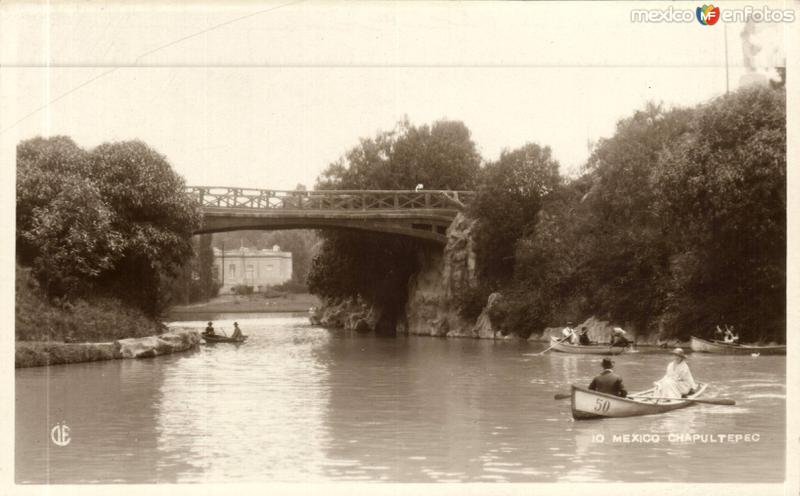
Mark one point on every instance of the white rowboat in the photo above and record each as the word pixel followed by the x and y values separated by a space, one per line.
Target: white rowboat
pixel 588 404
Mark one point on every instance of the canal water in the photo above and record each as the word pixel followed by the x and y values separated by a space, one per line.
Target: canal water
pixel 299 403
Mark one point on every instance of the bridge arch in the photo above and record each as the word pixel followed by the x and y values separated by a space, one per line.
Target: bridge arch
pixel 424 215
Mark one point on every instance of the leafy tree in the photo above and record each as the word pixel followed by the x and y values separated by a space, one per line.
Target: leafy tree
pixel 153 215
pixel 722 192
pixel 115 219
pixel 509 198
pixel 626 258
pixel 376 266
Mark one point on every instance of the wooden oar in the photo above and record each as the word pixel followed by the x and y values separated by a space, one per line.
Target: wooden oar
pixel 710 401
pixel 551 346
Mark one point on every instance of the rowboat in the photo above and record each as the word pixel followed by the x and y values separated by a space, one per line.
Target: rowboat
pixel 587 404
pixel 585 349
pixel 224 339
pixel 705 346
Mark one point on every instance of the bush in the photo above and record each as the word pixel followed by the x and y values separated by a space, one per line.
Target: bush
pixel 271 292
pixel 292 286
pixel 470 303
pixel 242 289
pixel 90 320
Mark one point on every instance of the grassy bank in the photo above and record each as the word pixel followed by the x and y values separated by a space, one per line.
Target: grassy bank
pixel 287 302
pixel 37 319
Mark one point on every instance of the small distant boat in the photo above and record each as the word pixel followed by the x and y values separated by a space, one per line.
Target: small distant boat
pixel 585 349
pixel 588 404
pixel 704 346
pixel 224 339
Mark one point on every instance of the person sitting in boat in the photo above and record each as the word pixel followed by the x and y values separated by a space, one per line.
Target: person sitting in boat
pixel 569 335
pixel 608 382
pixel 618 337
pixel 730 337
pixel 237 333
pixel 209 330
pixel 678 381
pixel 719 334
pixel 583 339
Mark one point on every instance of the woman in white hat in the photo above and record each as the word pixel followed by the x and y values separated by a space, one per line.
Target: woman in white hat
pixel 678 381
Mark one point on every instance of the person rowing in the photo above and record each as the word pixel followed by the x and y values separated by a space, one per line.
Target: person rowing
pixel 237 333
pixel 730 337
pixel 568 334
pixel 618 338
pixel 678 381
pixel 607 381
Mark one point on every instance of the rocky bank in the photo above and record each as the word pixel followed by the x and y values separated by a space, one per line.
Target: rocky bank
pixel 38 353
pixel 431 308
pixel 600 332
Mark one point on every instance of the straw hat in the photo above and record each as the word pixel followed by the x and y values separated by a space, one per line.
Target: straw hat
pixel 679 352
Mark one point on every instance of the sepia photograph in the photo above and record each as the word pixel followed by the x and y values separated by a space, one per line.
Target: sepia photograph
pixel 470 246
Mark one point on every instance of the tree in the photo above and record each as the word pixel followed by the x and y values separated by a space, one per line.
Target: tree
pixel 153 215
pixel 510 195
pixel 115 219
pixel 721 189
pixel 375 266
pixel 626 256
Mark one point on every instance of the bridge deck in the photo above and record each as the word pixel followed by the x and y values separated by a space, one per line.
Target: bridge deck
pixel 420 214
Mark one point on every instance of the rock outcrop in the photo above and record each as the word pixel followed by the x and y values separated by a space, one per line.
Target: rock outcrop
pixel 600 332
pixel 35 354
pixel 431 308
pixel 348 313
pixel 170 342
pixel 41 353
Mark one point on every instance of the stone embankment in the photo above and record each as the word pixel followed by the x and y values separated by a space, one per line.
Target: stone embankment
pixel 432 310
pixel 35 354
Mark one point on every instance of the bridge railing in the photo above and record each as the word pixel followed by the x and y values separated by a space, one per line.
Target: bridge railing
pixel 207 196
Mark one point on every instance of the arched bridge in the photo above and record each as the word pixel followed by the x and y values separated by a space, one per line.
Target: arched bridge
pixel 424 214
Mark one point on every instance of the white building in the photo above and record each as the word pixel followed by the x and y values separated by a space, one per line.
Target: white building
pixel 250 267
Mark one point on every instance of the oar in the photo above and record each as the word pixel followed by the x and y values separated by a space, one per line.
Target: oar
pixel 711 401
pixel 559 341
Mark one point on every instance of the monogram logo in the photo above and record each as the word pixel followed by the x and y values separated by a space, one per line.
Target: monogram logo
pixel 59 434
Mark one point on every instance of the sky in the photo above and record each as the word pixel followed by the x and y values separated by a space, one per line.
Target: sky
pixel 266 95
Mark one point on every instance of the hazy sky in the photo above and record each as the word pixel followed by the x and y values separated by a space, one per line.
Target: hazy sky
pixel 267 94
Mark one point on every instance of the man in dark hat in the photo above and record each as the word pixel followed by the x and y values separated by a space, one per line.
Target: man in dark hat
pixel 237 333
pixel 608 382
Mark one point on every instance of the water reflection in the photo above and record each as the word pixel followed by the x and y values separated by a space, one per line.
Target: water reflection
pixel 247 413
pixel 298 403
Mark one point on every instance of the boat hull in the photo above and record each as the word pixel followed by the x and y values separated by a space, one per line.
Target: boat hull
pixel 704 346
pixel 223 339
pixel 588 349
pixel 587 404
